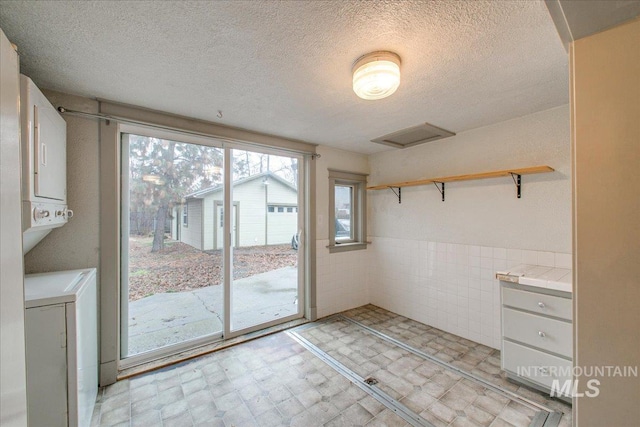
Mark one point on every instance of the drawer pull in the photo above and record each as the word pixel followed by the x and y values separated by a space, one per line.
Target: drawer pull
pixel 541 305
pixel 543 370
pixel 541 334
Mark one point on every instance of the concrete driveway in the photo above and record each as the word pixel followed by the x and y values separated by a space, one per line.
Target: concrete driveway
pixel 169 318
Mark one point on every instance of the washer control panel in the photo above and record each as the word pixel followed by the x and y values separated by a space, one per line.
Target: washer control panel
pixel 45 215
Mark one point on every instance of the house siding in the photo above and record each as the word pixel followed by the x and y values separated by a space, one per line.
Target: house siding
pixel 254 223
pixel 281 226
pixel 250 197
pixel 192 233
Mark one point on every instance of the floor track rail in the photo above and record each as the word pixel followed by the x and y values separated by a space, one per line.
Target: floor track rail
pixel 545 416
pixel 506 393
pixel 407 414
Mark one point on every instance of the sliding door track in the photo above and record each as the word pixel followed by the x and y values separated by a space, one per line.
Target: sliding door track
pixel 544 416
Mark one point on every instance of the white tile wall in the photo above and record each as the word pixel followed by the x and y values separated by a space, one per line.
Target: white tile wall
pixel 342 279
pixel 446 285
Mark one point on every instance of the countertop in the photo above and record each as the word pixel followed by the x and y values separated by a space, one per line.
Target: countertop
pixel 559 279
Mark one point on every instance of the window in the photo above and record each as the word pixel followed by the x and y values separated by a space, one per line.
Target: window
pixel 282 209
pixel 185 215
pixel 347 211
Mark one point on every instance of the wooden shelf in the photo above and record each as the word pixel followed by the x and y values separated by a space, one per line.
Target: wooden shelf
pixel 514 173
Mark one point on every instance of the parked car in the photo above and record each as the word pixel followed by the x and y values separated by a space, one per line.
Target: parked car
pixel 343 229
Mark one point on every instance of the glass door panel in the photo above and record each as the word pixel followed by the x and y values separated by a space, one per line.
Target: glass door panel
pixel 172 276
pixel 265 285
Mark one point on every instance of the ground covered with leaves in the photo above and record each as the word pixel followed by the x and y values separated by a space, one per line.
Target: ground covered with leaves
pixel 180 267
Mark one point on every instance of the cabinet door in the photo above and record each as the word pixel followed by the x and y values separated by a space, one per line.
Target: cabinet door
pixel 85 377
pixel 50 149
pixel 45 331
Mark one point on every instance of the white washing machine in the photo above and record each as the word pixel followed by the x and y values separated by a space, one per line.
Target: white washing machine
pixel 61 329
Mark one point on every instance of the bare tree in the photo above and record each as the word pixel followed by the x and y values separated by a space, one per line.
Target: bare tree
pixel 162 172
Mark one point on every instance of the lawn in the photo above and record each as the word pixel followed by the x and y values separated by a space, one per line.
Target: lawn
pixel 180 267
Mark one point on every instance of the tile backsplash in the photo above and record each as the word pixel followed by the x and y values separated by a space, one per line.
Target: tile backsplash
pixel 446 285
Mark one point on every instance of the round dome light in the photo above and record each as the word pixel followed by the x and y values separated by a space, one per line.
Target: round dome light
pixel 376 75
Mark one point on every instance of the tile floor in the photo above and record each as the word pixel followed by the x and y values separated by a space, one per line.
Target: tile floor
pixel 437 394
pixel 274 381
pixel 470 356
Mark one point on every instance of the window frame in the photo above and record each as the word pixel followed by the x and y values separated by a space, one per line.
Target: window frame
pixel 185 215
pixel 282 208
pixel 358 183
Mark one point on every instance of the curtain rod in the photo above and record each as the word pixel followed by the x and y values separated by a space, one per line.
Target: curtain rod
pixel 108 118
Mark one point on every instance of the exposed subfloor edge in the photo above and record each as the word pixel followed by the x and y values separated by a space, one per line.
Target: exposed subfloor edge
pixel 545 417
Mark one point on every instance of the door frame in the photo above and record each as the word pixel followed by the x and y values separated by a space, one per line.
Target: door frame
pixel 216 205
pixel 304 285
pixel 306 298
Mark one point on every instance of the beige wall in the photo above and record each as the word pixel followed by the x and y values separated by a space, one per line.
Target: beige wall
pixel 342 279
pixel 77 244
pixel 606 162
pixel 486 212
pixel 331 158
pixel 435 261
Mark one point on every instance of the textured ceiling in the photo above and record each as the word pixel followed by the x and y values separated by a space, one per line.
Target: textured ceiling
pixel 284 68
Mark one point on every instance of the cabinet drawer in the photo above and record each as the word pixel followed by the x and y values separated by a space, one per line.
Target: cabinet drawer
pixel 542 332
pixel 534 365
pixel 538 303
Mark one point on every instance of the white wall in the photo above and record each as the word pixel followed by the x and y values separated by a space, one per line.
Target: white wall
pixel 342 279
pixel 13 381
pixel 435 261
pixel 487 212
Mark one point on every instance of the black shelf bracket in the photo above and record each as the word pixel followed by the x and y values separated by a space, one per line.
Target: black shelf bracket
pixel 399 193
pixel 517 180
pixel 440 190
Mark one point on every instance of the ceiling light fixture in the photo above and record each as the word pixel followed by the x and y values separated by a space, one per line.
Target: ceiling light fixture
pixel 376 75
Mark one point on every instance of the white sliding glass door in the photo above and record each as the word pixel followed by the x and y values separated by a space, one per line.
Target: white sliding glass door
pixel 266 285
pixel 206 253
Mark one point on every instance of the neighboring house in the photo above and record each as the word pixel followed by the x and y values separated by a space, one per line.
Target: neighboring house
pixel 265 212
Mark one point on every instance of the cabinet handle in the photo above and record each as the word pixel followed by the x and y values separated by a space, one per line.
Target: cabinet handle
pixel 541 305
pixel 44 152
pixel 542 334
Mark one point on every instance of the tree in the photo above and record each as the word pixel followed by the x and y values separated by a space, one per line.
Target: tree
pixel 248 163
pixel 162 172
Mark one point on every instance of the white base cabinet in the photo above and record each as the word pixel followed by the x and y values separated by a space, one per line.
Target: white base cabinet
pixel 61 330
pixel 537 336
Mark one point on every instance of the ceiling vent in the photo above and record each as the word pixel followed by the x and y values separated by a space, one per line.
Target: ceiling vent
pixel 413 136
